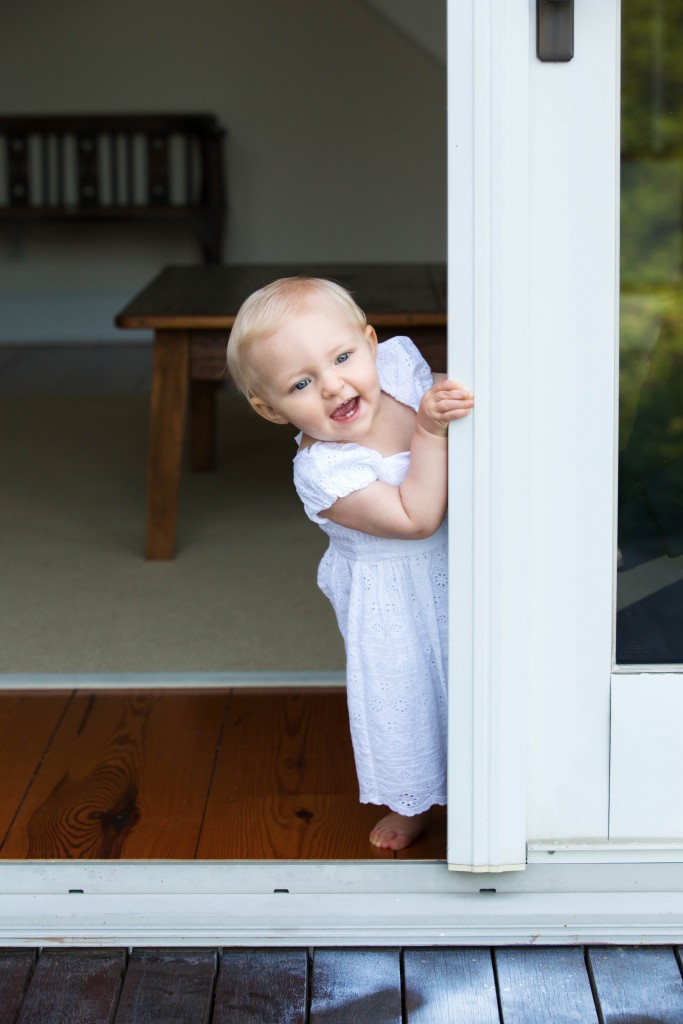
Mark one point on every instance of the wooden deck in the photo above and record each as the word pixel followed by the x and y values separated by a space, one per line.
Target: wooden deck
pixel 599 985
pixel 185 775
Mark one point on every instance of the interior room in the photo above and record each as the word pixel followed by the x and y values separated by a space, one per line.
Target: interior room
pixel 335 153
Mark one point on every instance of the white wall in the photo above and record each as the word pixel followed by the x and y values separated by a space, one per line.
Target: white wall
pixel 336 148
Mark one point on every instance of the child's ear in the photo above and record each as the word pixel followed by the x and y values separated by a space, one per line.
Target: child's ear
pixel 371 337
pixel 267 411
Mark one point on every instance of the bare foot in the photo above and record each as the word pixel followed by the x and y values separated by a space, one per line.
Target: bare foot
pixel 396 831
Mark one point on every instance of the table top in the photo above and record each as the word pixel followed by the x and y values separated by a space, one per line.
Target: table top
pixel 207 296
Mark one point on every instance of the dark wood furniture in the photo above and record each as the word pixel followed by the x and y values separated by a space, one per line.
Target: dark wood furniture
pixel 117 168
pixel 191 310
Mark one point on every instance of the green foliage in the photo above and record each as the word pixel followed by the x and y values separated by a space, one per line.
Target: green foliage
pixel 652 76
pixel 651 335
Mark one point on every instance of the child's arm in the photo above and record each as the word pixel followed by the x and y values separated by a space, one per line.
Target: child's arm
pixel 415 508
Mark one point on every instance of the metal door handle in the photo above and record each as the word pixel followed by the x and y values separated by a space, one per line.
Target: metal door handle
pixel 555 30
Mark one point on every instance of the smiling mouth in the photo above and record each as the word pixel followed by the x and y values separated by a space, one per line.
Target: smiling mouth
pixel 346 410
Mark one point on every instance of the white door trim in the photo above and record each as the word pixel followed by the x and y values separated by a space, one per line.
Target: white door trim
pixel 570 385
pixel 646 760
pixel 297 904
pixel 489 59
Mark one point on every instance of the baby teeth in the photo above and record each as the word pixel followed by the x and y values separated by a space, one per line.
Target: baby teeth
pixel 349 402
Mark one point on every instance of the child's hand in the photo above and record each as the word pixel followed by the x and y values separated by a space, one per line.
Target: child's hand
pixel 447 400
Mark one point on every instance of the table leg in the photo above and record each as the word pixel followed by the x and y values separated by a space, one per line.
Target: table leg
pixel 170 373
pixel 203 425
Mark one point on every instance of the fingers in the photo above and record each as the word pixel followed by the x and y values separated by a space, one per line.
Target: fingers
pixel 446 401
pixel 456 413
pixel 452 389
pixel 451 402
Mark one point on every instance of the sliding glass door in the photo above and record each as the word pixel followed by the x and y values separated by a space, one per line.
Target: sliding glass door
pixel 647 689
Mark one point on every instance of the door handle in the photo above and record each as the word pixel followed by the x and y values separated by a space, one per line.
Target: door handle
pixel 555 30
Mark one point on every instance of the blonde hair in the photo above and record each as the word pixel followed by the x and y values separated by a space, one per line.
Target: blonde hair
pixel 267 309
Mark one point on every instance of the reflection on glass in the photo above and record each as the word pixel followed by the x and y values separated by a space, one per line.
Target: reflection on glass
pixel 650 527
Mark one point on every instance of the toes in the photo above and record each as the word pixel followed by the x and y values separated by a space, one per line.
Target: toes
pixel 390 840
pixel 383 838
pixel 395 832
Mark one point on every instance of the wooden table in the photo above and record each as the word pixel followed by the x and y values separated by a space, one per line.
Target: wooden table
pixel 191 310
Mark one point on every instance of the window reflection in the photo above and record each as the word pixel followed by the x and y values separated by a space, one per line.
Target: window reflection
pixel 650 526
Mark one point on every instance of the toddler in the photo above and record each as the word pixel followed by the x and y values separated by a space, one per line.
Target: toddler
pixel 371 471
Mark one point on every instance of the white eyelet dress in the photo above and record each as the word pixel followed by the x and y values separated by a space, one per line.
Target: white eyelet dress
pixel 390 598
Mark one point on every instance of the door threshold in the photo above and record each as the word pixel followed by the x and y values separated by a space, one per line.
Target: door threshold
pixel 166 680
pixel 286 903
pixel 606 851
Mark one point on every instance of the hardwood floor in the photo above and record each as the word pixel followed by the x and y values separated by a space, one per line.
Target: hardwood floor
pixel 566 985
pixel 185 774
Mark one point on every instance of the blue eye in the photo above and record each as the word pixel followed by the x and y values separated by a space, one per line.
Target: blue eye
pixel 300 385
pixel 343 357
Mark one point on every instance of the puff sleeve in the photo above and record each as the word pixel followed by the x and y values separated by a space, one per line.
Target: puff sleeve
pixel 403 372
pixel 325 472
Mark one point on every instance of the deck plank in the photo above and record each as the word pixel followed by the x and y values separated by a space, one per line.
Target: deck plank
pixel 27 722
pixel 637 983
pixel 16 966
pixel 257 986
pixel 363 986
pixel 167 987
pixel 539 984
pixel 126 776
pixel 449 986
pixel 296 795
pixel 261 986
pixel 71 987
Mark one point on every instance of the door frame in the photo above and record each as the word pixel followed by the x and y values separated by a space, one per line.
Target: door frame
pixel 520 334
pixel 571 379
pixel 489 163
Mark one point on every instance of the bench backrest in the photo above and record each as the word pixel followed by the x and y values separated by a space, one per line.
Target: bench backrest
pixel 148 168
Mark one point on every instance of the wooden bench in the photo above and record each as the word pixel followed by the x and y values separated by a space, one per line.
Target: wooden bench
pixel 115 168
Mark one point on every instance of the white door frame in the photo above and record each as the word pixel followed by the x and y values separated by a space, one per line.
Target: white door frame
pixel 533 321
pixel 489 65
pixel 570 383
pixel 531 639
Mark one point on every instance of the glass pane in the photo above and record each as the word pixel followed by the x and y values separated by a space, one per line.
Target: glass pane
pixel 650 529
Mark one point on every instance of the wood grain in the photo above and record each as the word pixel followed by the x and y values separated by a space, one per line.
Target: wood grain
pixel 262 987
pixel 167 987
pixel 363 986
pixel 73 988
pixel 285 784
pixel 640 985
pixel 168 404
pixel 203 425
pixel 16 966
pixel 305 826
pixel 126 776
pixel 286 741
pixel 635 985
pixel 129 774
pixel 541 984
pixel 449 986
pixel 27 723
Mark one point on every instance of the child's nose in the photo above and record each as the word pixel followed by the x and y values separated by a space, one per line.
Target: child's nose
pixel 332 384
